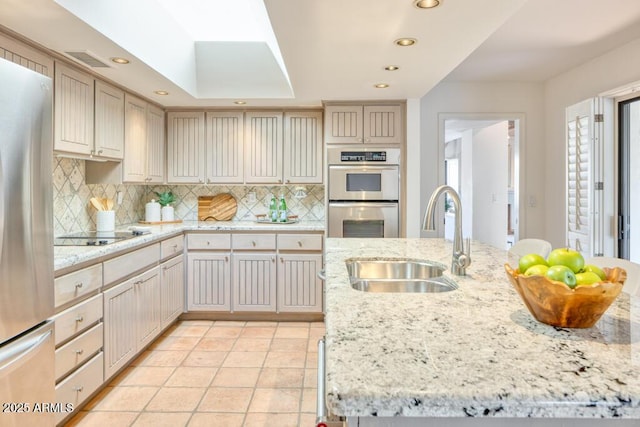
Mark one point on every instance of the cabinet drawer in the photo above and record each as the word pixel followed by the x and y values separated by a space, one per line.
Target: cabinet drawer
pixel 125 265
pixel 78 283
pixel 80 385
pixel 300 242
pixel 209 241
pixel 171 247
pixel 77 318
pixel 76 351
pixel 254 241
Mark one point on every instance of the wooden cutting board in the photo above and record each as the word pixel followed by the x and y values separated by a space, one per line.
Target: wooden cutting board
pixel 221 207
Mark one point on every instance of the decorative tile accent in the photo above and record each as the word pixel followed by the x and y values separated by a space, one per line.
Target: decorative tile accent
pixel 73 212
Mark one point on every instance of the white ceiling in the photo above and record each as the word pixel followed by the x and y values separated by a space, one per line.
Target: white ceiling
pixel 337 49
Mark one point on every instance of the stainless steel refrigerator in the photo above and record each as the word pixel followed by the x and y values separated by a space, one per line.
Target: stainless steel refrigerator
pixel 27 383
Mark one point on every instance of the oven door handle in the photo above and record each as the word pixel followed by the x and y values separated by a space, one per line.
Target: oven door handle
pixel 364 168
pixel 362 204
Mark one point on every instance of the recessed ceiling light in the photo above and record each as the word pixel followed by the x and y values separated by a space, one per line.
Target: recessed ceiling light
pixel 391 68
pixel 161 92
pixel 406 42
pixel 381 85
pixel 120 60
pixel 239 102
pixel 427 4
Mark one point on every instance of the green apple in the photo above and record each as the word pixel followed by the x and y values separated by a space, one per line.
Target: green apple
pixel 529 260
pixel 537 270
pixel 562 273
pixel 567 257
pixel 587 278
pixel 594 269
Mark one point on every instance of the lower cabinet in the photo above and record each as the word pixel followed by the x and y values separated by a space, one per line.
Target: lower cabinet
pixel 77 387
pixel 208 281
pixel 171 290
pixel 131 318
pixel 254 282
pixel 299 289
pixel 254 272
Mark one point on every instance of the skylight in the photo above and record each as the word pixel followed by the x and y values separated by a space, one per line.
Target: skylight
pixel 210 48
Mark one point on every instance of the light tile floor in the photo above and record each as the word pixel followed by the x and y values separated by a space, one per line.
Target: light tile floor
pixel 222 373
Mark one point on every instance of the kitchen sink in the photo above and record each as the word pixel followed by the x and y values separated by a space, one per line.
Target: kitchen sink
pixel 398 275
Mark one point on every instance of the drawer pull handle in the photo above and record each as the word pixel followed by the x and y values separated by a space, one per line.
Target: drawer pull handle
pixel 79 352
pixel 299 243
pixel 79 285
pixel 79 318
pixel 208 242
pixel 253 243
pixel 78 389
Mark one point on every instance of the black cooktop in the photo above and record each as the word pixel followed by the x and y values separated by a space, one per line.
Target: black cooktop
pixel 95 238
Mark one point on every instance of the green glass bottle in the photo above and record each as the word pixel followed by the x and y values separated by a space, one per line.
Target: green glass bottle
pixel 282 209
pixel 273 209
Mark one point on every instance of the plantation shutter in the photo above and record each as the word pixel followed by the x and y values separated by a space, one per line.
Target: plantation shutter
pixel 584 178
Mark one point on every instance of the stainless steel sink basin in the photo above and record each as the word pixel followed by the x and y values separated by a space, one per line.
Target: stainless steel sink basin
pixel 441 284
pixel 398 275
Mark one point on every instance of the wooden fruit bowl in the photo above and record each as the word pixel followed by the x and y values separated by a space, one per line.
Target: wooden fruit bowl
pixel 556 304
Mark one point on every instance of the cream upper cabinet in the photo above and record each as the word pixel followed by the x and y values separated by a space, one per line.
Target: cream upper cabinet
pixel 73 110
pixel 155 144
pixel 224 151
pixel 363 124
pixel 185 148
pixel 303 147
pixel 144 142
pixel 264 148
pixel 109 121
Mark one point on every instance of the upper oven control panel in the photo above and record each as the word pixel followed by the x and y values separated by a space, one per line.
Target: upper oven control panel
pixel 341 155
pixel 363 156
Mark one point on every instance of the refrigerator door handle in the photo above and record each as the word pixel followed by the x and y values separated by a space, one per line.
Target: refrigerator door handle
pixel 14 355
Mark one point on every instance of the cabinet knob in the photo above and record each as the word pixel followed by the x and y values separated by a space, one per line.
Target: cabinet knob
pixel 226 259
pixel 273 260
pixel 359 139
pixel 201 181
pixel 208 243
pixel 79 285
pixel 282 260
pixel 367 140
pixel 299 243
pixel 79 318
pixel 288 181
pixel 79 352
pixel 99 152
pixel 78 389
pixel 253 243
pixel 279 181
pixel 175 247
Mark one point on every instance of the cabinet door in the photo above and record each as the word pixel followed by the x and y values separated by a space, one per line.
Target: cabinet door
pixel 119 327
pixel 208 281
pixel 383 124
pixel 73 130
pixel 343 124
pixel 263 147
pixel 299 288
pixel 155 144
pixel 135 140
pixel 224 147
pixel 185 148
pixel 109 121
pixel 172 290
pixel 303 147
pixel 254 282
pixel 147 290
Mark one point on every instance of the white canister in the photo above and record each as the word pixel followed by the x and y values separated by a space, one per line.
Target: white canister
pixel 167 213
pixel 152 211
pixel 105 221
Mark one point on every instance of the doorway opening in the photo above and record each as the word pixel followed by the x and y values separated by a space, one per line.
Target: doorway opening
pixel 481 154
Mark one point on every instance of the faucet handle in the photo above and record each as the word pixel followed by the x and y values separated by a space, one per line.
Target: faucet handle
pixel 464 260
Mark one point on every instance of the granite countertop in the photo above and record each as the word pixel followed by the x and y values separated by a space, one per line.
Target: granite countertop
pixel 68 256
pixel 472 352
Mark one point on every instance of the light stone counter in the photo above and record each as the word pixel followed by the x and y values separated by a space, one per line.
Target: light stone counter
pixel 66 257
pixel 472 352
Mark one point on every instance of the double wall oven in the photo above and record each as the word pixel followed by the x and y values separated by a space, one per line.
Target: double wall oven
pixel 364 189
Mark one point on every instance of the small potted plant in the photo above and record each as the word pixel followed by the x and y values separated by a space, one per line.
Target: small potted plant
pixel 166 198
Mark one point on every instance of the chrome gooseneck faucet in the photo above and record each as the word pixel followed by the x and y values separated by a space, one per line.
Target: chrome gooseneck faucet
pixel 461 259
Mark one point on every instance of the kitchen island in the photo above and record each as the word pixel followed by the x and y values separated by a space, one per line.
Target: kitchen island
pixel 472 356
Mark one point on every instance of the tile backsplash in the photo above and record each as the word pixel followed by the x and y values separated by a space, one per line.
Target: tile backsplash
pixel 73 212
